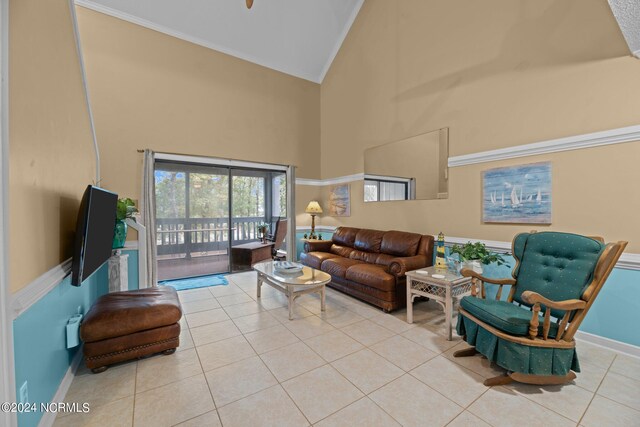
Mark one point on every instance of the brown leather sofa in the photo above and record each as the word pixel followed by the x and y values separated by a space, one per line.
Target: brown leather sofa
pixel 370 264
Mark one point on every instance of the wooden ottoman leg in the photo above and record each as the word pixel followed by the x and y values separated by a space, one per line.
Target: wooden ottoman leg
pixel 169 351
pixel 99 370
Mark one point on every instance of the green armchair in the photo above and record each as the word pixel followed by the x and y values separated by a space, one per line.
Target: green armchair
pixel 556 278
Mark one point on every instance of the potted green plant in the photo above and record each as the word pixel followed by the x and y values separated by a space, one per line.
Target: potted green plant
pixel 263 228
pixel 474 255
pixel 124 209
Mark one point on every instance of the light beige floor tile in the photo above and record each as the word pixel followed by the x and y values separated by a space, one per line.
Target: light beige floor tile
pixel 233 299
pixel 477 363
pixel 223 291
pixel 269 339
pixel 282 313
pixel 174 367
pixel 272 303
pixel 292 360
pixel 224 352
pixel 467 419
pixel 429 339
pixel 367 332
pixel 270 407
pixel 363 413
pixel 114 414
pixel 412 403
pixel 214 332
pixel 340 317
pixel 186 341
pixel 266 291
pixel 308 327
pixel 621 389
pixel 594 355
pixel 604 412
pixel 202 318
pixel 194 295
pixel 503 407
pixel 569 400
pixel 98 389
pixel 367 370
pixel 365 310
pixel 243 309
pixel 590 376
pixel 333 345
pixel 255 322
pixel 315 307
pixel 210 419
pixel 321 392
pixel 402 352
pixel 238 380
pixel 199 305
pixel 627 366
pixel 450 379
pixel 173 403
pixel 392 323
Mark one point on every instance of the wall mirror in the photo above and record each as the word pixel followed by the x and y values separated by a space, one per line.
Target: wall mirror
pixel 411 169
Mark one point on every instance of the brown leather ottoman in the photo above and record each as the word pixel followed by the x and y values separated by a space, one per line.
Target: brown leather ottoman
pixel 128 325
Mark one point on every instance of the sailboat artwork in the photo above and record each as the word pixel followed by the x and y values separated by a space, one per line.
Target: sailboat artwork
pixel 525 194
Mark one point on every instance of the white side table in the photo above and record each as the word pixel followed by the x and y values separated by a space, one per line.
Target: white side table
pixel 445 288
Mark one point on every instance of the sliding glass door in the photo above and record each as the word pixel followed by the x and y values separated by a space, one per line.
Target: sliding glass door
pixel 202 211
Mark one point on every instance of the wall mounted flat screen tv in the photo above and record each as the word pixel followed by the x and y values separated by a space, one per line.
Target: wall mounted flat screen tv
pixel 94 232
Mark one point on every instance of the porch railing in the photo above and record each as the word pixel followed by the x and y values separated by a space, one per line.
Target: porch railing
pixel 189 235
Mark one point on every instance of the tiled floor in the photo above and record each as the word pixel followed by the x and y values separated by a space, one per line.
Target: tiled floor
pixel 243 363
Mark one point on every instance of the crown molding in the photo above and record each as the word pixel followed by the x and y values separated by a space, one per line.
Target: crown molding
pixel 330 181
pixel 577 142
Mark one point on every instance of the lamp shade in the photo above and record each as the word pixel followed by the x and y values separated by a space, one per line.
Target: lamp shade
pixel 313 208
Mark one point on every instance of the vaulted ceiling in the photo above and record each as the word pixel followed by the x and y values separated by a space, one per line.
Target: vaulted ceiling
pixel 297 37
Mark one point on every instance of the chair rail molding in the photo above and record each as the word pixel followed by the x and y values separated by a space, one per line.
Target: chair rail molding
pixel 577 142
pixel 330 181
pixel 30 294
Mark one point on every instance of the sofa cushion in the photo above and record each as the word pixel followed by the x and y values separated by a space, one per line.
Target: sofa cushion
pixel 368 240
pixel 345 236
pixel 371 275
pixel 370 257
pixel 338 266
pixel 343 251
pixel 503 315
pixel 400 243
pixel 315 259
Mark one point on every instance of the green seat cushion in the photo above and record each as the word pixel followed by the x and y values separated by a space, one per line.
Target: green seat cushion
pixel 505 316
pixel 558 266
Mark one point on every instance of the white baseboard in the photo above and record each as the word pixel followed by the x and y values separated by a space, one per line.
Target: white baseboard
pixel 49 418
pixel 609 344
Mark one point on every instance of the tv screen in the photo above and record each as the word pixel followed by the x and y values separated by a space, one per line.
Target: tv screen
pixel 94 232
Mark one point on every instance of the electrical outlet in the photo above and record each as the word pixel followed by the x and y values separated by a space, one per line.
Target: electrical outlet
pixel 24 393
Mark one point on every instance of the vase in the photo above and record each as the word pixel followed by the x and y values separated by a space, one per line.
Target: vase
pixel 120 234
pixel 473 265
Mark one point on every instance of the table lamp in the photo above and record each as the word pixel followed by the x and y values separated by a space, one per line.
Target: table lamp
pixel 313 208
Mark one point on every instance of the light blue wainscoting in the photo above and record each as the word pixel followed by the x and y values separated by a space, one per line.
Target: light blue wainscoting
pixel 41 355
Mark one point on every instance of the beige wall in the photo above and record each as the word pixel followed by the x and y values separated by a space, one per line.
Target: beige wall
pixel 498 73
pixel 51 156
pixel 150 90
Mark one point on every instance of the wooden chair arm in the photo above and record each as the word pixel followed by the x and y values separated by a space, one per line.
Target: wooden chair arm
pixel 467 272
pixel 570 304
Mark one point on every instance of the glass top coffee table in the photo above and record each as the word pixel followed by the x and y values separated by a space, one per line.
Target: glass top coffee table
pixel 307 281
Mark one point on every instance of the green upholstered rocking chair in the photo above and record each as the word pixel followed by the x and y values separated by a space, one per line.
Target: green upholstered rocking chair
pixel 557 276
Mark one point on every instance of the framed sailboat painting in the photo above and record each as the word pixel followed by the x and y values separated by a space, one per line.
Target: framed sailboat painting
pixel 517 194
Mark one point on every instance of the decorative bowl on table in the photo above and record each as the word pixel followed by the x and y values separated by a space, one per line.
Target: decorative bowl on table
pixel 287 267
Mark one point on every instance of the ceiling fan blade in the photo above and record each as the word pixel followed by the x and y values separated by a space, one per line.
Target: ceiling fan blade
pixel 249 4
